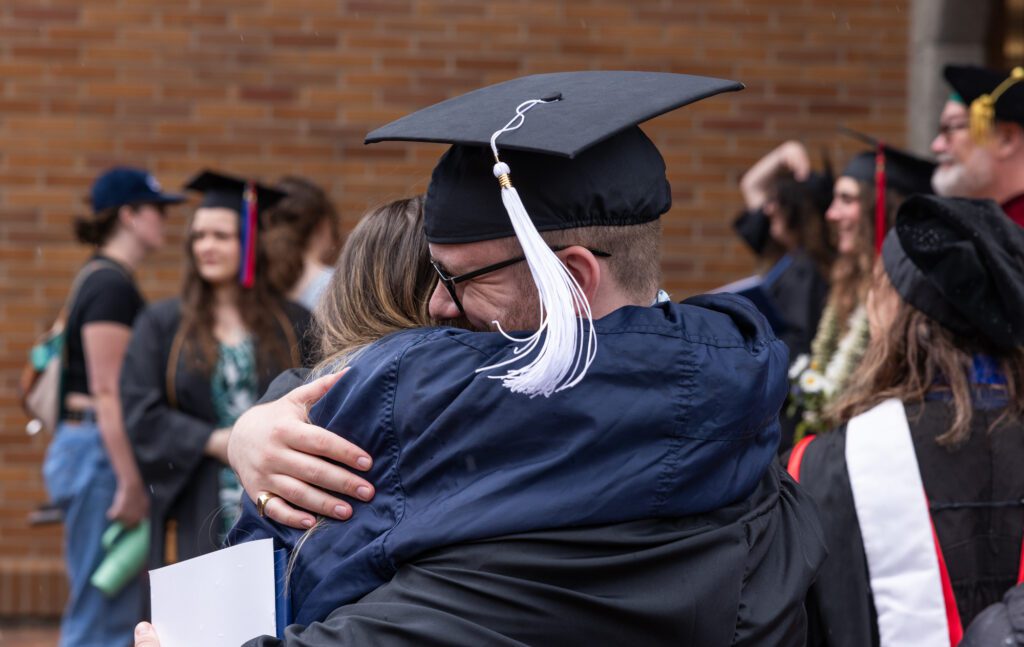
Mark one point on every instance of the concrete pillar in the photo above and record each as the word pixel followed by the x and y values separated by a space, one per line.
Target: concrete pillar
pixel 941 32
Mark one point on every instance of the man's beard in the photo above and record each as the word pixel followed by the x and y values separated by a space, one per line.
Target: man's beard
pixel 523 314
pixel 460 322
pixel 969 179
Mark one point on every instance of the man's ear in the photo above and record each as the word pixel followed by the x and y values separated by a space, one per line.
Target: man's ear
pixel 584 267
pixel 1008 139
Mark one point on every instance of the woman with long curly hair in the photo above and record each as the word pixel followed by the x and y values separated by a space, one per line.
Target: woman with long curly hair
pixel 920 488
pixel 784 225
pixel 199 361
pixel 855 216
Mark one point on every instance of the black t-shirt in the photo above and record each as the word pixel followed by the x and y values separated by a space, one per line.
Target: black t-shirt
pixel 107 294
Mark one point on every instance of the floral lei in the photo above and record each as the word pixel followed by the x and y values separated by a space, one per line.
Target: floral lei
pixel 816 379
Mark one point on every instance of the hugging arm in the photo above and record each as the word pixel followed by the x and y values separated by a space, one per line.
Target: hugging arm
pixel 274 449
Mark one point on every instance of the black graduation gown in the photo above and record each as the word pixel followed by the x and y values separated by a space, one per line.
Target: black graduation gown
pixel 799 295
pixel 981 546
pixel 736 576
pixel 168 441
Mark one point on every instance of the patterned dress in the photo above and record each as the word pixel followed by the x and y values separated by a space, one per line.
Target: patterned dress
pixel 235 390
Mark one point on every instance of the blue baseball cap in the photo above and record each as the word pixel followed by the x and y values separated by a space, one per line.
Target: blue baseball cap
pixel 123 185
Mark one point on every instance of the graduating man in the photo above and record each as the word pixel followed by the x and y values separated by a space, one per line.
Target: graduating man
pixel 635 500
pixel 980 143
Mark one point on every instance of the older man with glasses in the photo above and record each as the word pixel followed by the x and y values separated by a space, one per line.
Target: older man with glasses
pixel 980 140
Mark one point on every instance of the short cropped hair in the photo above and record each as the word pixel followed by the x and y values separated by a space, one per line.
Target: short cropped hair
pixel 635 261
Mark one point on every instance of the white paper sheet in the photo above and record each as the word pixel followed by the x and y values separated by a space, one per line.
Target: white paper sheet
pixel 223 598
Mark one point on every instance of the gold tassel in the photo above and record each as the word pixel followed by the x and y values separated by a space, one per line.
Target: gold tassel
pixel 983 109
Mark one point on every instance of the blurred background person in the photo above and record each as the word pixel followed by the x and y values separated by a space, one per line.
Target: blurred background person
pixel 89 470
pixel 980 143
pixel 309 214
pixel 855 216
pixel 784 226
pixel 936 404
pixel 197 362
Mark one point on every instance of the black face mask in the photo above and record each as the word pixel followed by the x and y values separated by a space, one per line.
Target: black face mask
pixel 753 227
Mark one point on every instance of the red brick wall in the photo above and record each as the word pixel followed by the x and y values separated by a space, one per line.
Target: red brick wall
pixel 268 87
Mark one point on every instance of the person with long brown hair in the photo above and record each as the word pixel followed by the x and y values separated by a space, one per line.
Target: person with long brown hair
pixel 857 221
pixel 308 213
pixel 395 295
pixel 921 487
pixel 89 471
pixel 784 225
pixel 196 362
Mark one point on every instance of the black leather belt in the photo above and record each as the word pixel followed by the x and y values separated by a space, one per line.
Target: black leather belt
pixel 79 415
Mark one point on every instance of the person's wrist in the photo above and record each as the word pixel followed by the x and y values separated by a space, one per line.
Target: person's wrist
pixel 129 482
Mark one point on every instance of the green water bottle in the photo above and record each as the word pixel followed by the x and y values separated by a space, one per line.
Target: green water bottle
pixel 126 553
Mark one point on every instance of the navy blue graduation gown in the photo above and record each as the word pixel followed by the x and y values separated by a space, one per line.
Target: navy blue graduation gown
pixel 678 415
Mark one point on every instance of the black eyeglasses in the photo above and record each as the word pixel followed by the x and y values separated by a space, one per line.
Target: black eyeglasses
pixel 450 281
pixel 946 130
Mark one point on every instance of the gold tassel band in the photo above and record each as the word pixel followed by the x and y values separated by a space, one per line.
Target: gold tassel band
pixel 983 109
pixel 505 181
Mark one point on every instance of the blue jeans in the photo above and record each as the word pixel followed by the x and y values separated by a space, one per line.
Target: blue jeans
pixel 80 480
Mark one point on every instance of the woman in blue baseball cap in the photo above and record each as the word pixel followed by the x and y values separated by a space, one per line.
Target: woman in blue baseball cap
pixel 89 470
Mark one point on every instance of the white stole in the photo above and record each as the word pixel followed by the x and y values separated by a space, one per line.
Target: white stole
pixel 892 510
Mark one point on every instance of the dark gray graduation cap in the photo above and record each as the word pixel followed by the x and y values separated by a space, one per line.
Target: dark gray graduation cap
pixel 222 190
pixel 578 161
pixel 904 172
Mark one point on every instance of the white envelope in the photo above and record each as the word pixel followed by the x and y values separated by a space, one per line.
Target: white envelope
pixel 224 598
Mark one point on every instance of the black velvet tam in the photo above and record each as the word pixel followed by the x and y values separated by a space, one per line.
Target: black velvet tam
pixel 970 82
pixel 221 190
pixel 961 262
pixel 577 161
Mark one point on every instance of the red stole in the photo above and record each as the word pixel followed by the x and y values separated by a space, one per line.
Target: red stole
pixel 1014 207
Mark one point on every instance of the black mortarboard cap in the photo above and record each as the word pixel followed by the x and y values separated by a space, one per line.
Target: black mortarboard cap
pixel 578 161
pixel 226 191
pixel 961 262
pixel 593 106
pixel 904 172
pixel 753 226
pixel 970 82
pixel 222 190
pixel 820 185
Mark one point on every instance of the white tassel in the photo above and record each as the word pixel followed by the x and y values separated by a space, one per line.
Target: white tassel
pixel 559 353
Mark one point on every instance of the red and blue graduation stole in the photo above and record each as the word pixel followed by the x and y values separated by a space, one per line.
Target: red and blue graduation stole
pixel 247 269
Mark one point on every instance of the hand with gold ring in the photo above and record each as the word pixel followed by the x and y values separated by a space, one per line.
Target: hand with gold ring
pixel 273 448
pixel 261 502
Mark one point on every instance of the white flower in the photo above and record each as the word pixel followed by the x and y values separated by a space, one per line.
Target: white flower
pixel 849 352
pixel 798 367
pixel 812 381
